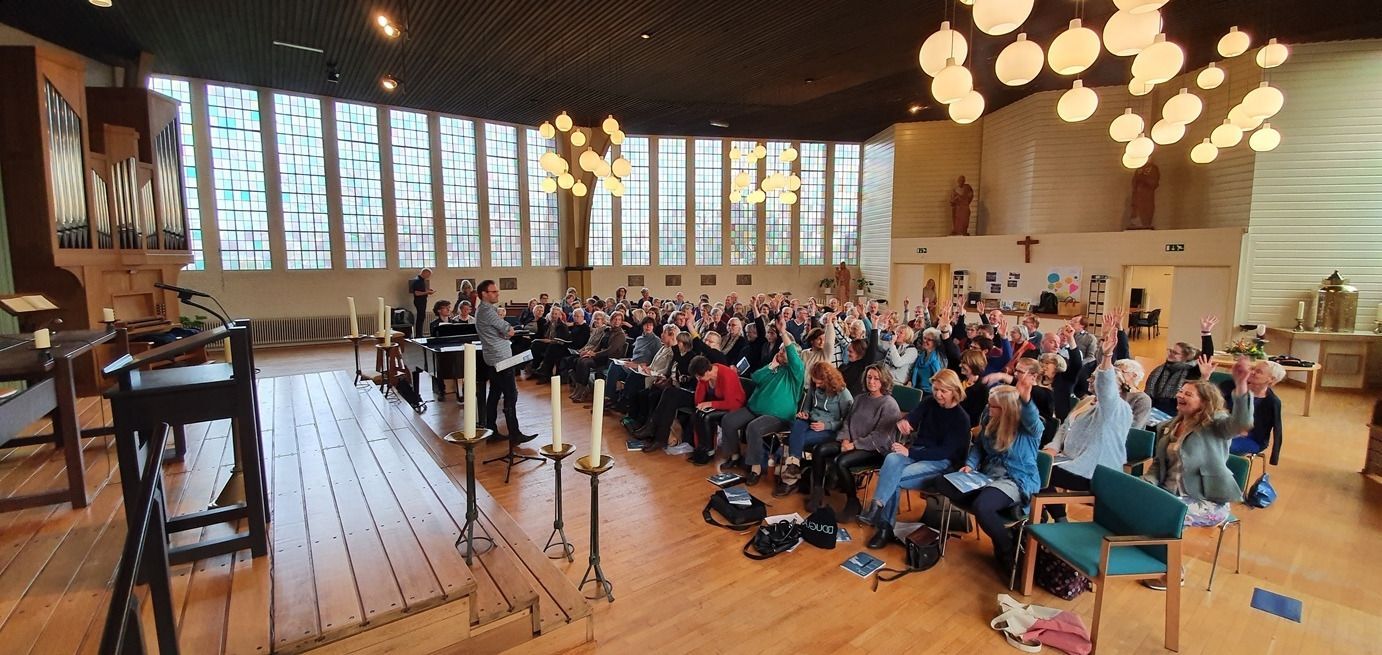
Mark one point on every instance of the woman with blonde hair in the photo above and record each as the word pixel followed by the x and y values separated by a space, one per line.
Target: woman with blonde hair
pixel 826 404
pixel 939 432
pixel 864 439
pixel 1006 454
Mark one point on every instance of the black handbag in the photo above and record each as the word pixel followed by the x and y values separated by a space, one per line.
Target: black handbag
pixel 740 517
pixel 771 540
pixel 923 552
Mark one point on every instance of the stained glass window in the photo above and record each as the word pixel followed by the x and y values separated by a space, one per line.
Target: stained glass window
pixel 710 165
pixel 777 225
pixel 362 204
pixel 671 202
pixel 460 193
pixel 302 178
pixel 505 212
pixel 633 210
pixel 412 189
pixel 181 91
pixel 542 207
pixel 237 158
pixel 845 216
pixel 811 205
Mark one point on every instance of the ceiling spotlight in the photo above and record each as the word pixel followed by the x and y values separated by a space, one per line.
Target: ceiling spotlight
pixel 720 124
pixel 388 27
pixel 382 20
pixel 388 82
pixel 332 75
pixel 101 3
pixel 646 35
pixel 915 109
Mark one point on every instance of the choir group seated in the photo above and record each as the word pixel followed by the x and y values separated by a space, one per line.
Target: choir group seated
pixel 814 394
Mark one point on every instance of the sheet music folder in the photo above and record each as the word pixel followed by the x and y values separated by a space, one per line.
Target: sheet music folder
pixel 168 351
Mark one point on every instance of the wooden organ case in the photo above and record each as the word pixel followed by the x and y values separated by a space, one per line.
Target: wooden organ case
pixel 93 194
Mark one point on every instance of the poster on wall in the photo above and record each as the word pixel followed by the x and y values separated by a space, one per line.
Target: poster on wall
pixel 995 288
pixel 991 276
pixel 1012 284
pixel 1064 281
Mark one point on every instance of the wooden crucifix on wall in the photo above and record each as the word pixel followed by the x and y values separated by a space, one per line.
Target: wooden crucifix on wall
pixel 1027 244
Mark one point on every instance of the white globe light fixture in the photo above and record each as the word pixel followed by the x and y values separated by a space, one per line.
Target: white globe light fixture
pixel 546 130
pixel 1226 135
pixel 741 180
pixel 773 182
pixel 788 155
pixel 734 154
pixel 1159 62
pixel 999 17
pixel 1272 55
pixel 1073 50
pixel 787 198
pixel 1242 120
pixel 1133 163
pixel 735 196
pixel 617 138
pixel 1211 77
pixel 1165 132
pixel 563 122
pixel 1204 152
pixel 1234 43
pixel 610 125
pixel 550 162
pixel 1138 6
pixel 548 185
pixel 793 183
pixel 1265 139
pixel 601 169
pixel 577 138
pixel 756 197
pixel 621 167
pixel 1140 87
pixel 579 189
pixel 1020 62
pixel 1140 147
pixel 945 43
pixel 1263 102
pixel 1077 104
pixel 1184 107
pixel 759 151
pixel 952 83
pixel 1127 33
pixel 589 160
pixel 609 183
pixel 968 109
pixel 1126 127
pixel 566 181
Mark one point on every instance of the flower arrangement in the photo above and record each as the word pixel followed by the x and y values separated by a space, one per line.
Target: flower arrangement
pixel 1250 347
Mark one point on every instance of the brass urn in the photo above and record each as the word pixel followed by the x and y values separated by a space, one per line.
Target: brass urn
pixel 1336 305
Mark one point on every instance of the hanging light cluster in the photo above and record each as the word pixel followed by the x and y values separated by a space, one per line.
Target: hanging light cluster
pixel 1251 114
pixel 780 185
pixel 565 175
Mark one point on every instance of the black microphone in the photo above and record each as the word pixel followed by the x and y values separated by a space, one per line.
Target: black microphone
pixel 182 291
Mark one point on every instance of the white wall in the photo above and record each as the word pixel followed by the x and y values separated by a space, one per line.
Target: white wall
pixel 1157 281
pixel 928 156
pixel 876 210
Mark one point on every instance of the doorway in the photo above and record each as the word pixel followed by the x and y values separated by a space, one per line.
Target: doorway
pixel 1183 294
pixel 910 280
pixel 1149 288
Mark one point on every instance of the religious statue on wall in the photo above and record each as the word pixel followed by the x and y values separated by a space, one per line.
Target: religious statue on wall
pixel 960 198
pixel 928 296
pixel 842 282
pixel 1144 183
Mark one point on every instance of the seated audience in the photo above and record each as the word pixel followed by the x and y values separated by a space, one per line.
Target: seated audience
pixel 718 392
pixel 899 354
pixel 939 432
pixel 1130 375
pixel 612 345
pixel 933 356
pixel 826 404
pixel 645 347
pixel 1165 381
pixel 864 440
pixel 734 344
pixel 972 363
pixel 771 407
pixel 1266 411
pixel 643 390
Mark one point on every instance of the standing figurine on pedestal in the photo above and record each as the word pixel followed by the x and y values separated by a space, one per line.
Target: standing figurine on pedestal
pixel 960 198
pixel 1144 184
pixel 842 282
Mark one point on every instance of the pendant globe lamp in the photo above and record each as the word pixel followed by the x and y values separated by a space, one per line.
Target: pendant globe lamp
pixel 1140 147
pixel 551 162
pixel 621 167
pixel 1263 102
pixel 1126 127
pixel 1159 62
pixel 1242 120
pixel 1139 6
pixel 1265 139
pixel 566 181
pixel 793 183
pixel 968 109
pixel 1204 152
pixel 1127 33
pixel 1226 135
pixel 1133 163
pixel 1234 43
pixel 617 138
pixel 789 155
pixel 1184 107
pixel 563 122
pixel 999 17
pixel 1073 50
pixel 610 125
pixel 577 138
pixel 1272 55
pixel 589 160
pixel 548 185
pixel 1165 132
pixel 1078 103
pixel 951 83
pixel 760 152
pixel 546 130
pixel 944 43
pixel 787 198
pixel 579 189
pixel 1020 62
pixel 1211 77
pixel 1140 87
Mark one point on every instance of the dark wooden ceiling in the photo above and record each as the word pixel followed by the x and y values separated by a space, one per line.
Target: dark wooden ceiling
pixel 809 69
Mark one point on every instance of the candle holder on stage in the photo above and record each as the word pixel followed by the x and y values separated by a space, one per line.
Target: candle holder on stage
pixel 388 360
pixel 512 457
pixel 1300 325
pixel 472 513
pixel 1378 329
pixel 558 524
pixel 355 345
pixel 606 588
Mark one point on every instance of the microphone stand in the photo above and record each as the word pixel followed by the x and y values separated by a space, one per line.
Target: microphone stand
pixel 233 492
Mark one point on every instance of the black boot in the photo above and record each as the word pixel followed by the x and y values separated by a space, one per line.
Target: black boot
pixel 872 515
pixel 851 510
pixel 882 536
pixel 514 433
pixel 817 498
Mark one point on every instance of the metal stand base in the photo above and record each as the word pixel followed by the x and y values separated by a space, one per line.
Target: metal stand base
pixel 511 458
pixel 355 345
pixel 466 542
pixel 558 536
pixel 605 588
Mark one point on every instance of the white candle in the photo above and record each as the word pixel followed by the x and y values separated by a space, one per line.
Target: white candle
pixel 597 422
pixel 556 412
pixel 42 338
pixel 107 315
pixel 383 319
pixel 388 331
pixel 1300 311
pixel 354 320
pixel 468 421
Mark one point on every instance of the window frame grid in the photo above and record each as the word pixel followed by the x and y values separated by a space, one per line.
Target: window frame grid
pixel 635 205
pixel 672 201
pixel 744 223
pixel 844 214
pixel 302 181
pixel 708 199
pixel 460 178
pixel 360 165
pixel 241 191
pixel 600 236
pixel 544 226
pixel 502 167
pixel 811 206
pixel 777 217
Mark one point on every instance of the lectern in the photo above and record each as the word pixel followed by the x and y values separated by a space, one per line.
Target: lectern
pixel 143 400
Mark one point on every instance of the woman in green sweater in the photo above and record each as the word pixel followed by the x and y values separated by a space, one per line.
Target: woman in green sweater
pixel 773 404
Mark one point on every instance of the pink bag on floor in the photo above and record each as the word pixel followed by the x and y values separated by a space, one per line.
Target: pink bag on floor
pixel 1064 631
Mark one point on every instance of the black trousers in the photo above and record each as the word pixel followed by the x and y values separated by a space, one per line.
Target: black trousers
pixel 828 456
pixel 1063 479
pixel 672 399
pixel 703 426
pixel 419 316
pixel 491 387
pixel 987 504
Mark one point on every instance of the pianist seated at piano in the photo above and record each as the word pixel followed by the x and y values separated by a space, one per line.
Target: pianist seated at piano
pixel 441 312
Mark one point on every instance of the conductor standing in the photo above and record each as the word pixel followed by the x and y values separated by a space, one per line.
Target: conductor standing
pixel 419 288
pixel 495 333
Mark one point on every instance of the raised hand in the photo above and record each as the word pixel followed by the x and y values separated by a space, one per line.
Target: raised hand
pixel 1241 368
pixel 1206 366
pixel 1208 322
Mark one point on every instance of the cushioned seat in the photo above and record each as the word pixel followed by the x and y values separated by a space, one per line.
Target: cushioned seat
pixel 1080 543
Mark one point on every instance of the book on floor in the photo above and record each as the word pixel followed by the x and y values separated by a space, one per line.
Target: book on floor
pixel 738 495
pixel 862 564
pixel 723 480
pixel 967 482
pixel 842 535
pixel 634 444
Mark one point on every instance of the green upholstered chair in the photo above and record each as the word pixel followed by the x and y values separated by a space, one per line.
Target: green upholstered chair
pixel 1141 446
pixel 1218 377
pixel 907 397
pixel 1135 533
pixel 1241 467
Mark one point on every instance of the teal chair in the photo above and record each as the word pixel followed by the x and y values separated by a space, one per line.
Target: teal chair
pixel 1218 377
pixel 907 397
pixel 1241 467
pixel 1141 446
pixel 1136 533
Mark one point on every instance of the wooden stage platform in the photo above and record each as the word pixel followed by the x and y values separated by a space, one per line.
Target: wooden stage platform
pixel 367 506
